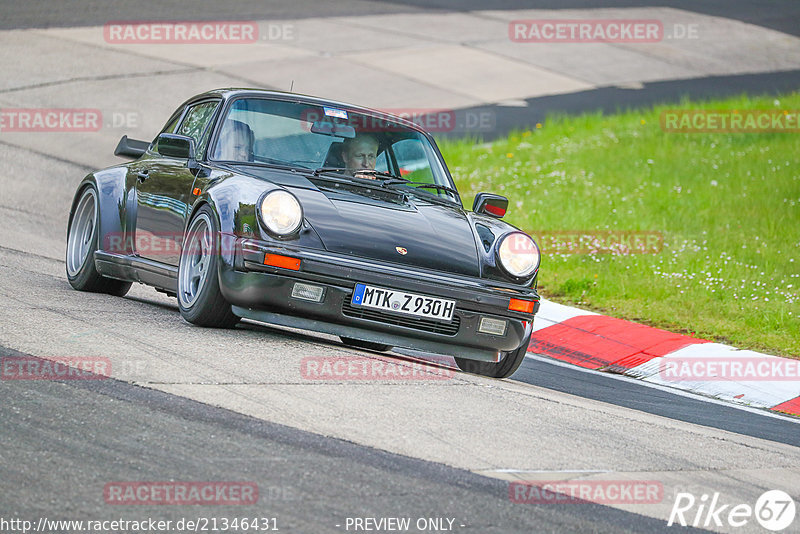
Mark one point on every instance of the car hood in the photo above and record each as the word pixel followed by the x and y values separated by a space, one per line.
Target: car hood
pixel 411 231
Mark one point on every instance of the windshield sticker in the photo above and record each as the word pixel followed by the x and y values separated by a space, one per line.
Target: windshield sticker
pixel 333 112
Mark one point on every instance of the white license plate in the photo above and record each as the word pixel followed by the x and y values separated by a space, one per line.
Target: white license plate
pixel 392 300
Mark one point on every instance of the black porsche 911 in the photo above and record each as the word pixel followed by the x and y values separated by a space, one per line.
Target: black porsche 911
pixel 303 212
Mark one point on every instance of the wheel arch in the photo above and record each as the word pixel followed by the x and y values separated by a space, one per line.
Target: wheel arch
pixel 87 181
pixel 227 237
pixel 225 200
pixel 112 208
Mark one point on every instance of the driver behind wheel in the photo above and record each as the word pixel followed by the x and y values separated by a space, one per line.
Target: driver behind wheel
pixel 236 142
pixel 360 154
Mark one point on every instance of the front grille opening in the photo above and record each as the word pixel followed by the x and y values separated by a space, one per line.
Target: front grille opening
pixel 417 323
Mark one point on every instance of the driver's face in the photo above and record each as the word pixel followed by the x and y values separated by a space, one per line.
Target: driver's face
pixel 237 148
pixel 361 154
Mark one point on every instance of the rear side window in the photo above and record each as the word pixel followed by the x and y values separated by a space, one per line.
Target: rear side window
pixel 195 124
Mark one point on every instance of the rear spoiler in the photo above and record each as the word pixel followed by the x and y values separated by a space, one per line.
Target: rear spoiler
pixel 131 148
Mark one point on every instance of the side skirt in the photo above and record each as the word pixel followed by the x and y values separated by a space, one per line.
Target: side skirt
pixel 136 269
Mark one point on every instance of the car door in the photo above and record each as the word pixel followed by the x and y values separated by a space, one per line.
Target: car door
pixel 164 191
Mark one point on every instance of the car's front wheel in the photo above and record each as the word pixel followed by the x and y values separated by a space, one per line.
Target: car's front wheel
pixel 503 369
pixel 82 239
pixel 199 297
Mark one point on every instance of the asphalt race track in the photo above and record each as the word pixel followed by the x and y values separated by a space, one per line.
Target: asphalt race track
pixel 190 404
pixel 98 431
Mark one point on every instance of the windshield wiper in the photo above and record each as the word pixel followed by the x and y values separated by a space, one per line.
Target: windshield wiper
pixel 353 173
pixel 260 164
pixel 340 177
pixel 409 183
pixel 337 170
pixel 391 179
pixel 343 175
pixel 381 173
pixel 342 181
pixel 437 187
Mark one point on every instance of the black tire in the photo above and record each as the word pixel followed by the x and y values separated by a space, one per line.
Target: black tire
pixel 82 239
pixel 199 297
pixel 502 369
pixel 380 347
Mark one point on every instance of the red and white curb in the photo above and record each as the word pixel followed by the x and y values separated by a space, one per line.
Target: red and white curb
pixel 603 343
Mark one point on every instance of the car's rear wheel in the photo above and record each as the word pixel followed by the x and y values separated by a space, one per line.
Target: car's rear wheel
pixel 380 347
pixel 199 297
pixel 82 239
pixel 503 369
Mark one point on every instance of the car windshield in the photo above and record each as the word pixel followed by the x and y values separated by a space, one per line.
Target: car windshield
pixel 330 140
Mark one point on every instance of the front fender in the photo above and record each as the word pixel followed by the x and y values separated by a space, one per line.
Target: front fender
pixel 234 199
pixel 488 232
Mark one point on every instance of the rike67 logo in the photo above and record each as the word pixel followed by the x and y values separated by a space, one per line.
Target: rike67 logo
pixel 774 510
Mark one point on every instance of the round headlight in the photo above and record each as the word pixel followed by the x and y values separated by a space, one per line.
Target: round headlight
pixel 518 254
pixel 281 212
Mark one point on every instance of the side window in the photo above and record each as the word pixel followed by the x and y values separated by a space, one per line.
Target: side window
pixel 169 128
pixel 412 160
pixel 195 124
pixel 382 162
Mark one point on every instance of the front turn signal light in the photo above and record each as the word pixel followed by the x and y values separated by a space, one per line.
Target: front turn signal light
pixel 284 262
pixel 524 306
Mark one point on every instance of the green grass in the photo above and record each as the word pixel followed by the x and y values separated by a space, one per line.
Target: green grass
pixel 727 205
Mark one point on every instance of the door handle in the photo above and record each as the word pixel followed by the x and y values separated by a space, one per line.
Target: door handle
pixel 142 175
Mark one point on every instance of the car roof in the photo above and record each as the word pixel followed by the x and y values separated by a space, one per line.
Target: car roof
pixel 229 93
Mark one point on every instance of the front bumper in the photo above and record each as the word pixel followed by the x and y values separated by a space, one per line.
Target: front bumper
pixel 263 293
